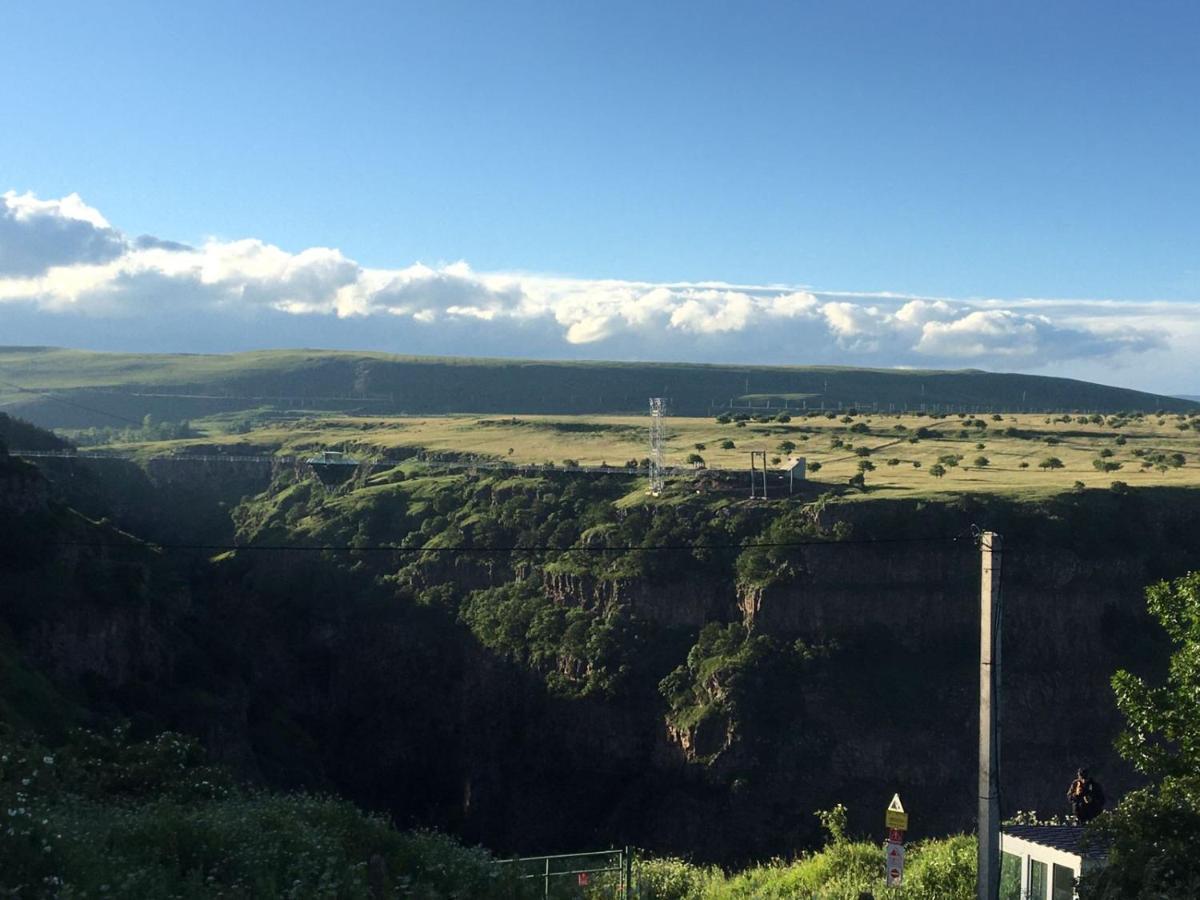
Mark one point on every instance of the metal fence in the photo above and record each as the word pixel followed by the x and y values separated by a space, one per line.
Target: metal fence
pixel 595 875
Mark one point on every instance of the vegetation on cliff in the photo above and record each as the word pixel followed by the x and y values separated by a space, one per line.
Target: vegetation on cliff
pixel 731 688
pixel 579 651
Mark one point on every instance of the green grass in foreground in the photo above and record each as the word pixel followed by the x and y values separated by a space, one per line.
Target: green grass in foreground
pixel 105 817
pixel 941 869
pixel 935 870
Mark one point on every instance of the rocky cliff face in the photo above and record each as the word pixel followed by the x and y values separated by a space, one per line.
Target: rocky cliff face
pixel 895 707
pixel 79 599
pixel 22 489
pixel 906 719
pixel 684 603
pixel 912 593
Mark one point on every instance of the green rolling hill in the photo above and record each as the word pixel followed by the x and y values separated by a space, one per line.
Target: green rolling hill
pixel 77 388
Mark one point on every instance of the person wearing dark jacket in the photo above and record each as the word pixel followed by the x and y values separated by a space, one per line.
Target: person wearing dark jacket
pixel 1085 796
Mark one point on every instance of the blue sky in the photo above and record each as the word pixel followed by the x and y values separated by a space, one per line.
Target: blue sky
pixel 972 152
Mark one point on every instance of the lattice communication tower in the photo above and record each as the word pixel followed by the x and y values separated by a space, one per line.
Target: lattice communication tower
pixel 658 408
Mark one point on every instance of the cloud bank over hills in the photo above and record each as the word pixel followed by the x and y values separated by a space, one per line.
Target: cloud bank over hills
pixel 67 276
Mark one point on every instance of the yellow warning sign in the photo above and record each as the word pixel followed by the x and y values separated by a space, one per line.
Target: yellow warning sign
pixel 896 817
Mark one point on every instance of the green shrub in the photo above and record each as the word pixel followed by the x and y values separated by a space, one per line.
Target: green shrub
pixel 107 817
pixel 674 879
pixel 942 869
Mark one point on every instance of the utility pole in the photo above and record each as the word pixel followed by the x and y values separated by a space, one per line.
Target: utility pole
pixel 988 882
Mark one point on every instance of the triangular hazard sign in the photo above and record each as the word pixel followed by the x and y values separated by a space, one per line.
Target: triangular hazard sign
pixel 895 805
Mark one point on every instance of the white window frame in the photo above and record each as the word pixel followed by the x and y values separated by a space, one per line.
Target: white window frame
pixel 1027 851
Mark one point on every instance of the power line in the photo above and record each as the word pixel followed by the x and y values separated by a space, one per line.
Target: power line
pixel 513 549
pixel 58 399
pixel 498 465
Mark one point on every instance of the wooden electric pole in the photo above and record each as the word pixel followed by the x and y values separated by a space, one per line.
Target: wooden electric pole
pixel 988 883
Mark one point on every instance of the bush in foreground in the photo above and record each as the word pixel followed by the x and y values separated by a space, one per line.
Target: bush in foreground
pixel 107 817
pixel 936 870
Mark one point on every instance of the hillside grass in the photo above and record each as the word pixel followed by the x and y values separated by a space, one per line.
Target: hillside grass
pixel 60 367
pixel 413 384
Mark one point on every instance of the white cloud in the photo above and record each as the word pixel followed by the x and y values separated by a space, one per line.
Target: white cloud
pixel 857 327
pixel 713 311
pixel 984 333
pixel 28 208
pixel 62 258
pixel 38 234
pixel 589 330
pixel 918 312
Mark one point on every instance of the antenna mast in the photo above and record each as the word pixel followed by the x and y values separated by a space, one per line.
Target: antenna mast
pixel 657 476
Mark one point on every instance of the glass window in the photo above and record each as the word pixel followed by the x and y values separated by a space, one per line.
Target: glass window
pixel 1010 877
pixel 1063 887
pixel 1037 880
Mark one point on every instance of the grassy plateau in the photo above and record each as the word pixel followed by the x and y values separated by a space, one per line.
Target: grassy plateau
pixel 898 455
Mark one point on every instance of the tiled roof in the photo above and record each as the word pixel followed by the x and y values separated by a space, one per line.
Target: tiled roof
pixel 1068 838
